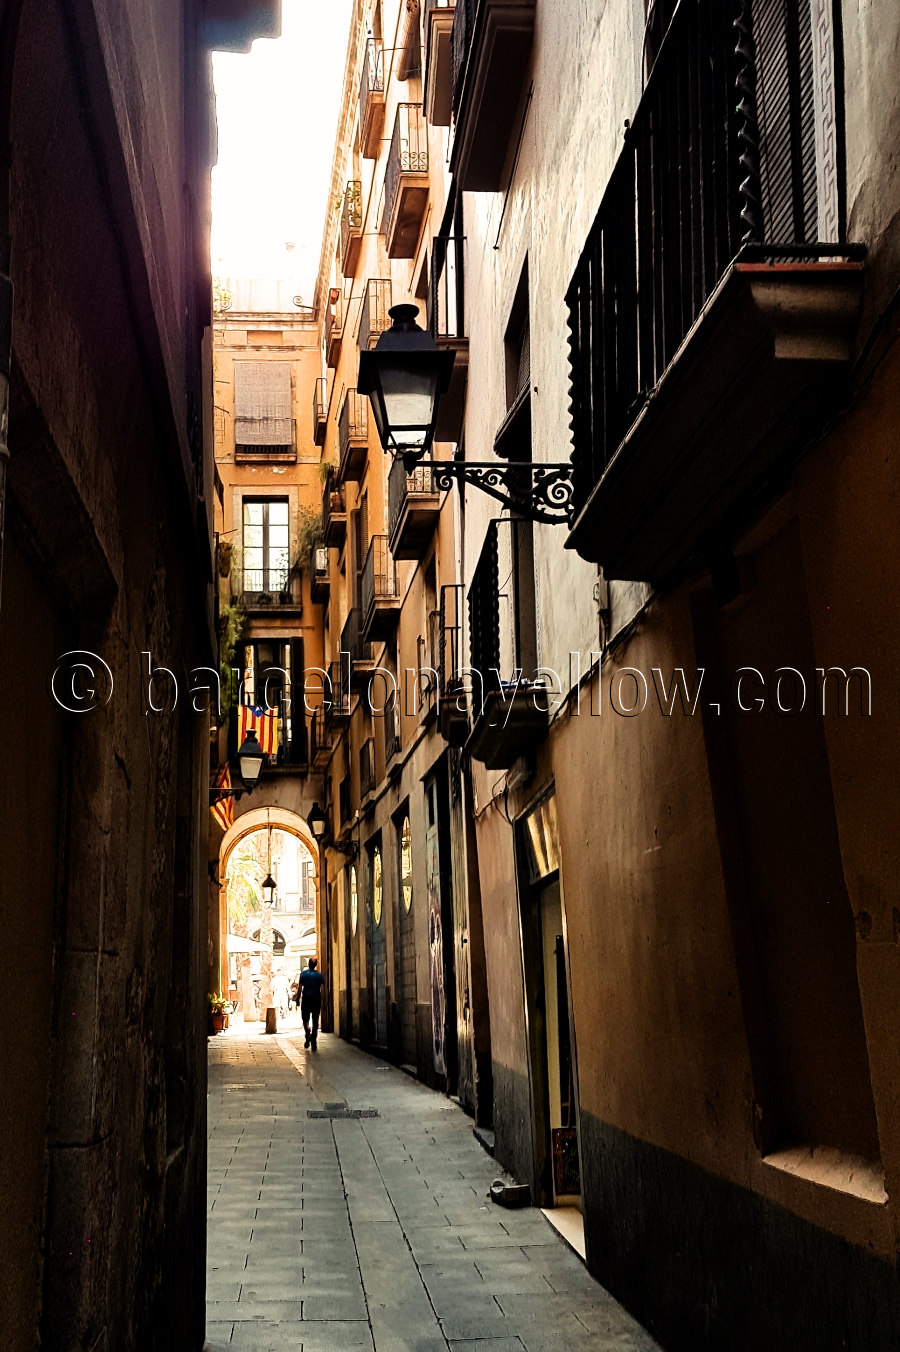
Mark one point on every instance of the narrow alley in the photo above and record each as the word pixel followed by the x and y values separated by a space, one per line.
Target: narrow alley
pixel 329 1230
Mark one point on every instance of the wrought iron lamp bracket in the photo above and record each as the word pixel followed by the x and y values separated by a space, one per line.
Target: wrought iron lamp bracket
pixel 538 492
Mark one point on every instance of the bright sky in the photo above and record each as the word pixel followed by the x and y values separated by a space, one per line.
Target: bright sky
pixel 277 110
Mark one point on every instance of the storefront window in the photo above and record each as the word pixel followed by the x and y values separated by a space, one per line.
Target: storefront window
pixel 377 889
pixel 354 899
pixel 406 864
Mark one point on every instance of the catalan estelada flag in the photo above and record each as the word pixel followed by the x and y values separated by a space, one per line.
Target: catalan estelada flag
pixel 264 722
pixel 223 808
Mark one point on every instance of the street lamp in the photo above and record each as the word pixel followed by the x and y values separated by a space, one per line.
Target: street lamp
pixel 404 377
pixel 250 760
pixel 268 886
pixel 317 822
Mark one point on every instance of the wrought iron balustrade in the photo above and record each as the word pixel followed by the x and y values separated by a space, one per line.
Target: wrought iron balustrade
pixel 446 301
pixel 372 81
pixel 352 640
pixel 374 317
pixel 408 153
pixel 353 425
pixel 719 161
pixel 403 488
pixel 379 577
pixel 484 611
pixel 463 32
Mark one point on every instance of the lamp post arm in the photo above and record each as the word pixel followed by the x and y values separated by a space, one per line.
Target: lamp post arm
pixel 538 492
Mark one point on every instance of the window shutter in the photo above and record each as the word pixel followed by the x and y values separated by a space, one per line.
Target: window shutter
pixel 782 34
pixel 262 404
pixel 297 750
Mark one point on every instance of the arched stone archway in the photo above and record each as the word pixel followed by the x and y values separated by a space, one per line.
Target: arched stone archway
pixel 247 824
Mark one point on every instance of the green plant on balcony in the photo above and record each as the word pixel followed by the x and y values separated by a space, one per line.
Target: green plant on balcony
pixel 309 536
pixel 232 623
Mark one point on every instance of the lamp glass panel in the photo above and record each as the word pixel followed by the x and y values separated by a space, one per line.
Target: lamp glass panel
pixel 409 400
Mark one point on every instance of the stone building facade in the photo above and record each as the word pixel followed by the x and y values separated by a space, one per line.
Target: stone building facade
pixel 107 135
pixel 678 234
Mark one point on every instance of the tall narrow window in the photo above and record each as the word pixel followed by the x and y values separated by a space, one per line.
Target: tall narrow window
pixel 354 900
pixel 266 545
pixel 377 887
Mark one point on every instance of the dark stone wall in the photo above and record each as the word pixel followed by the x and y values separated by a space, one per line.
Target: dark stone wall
pixel 704 1263
pixel 103 832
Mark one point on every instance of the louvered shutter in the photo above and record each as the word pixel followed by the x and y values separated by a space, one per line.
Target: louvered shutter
pixel 783 39
pixel 262 405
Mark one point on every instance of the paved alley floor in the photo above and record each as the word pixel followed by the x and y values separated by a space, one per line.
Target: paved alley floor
pixel 328 1233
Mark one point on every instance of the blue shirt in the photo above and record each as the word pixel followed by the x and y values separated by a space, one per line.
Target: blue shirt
pixel 311 983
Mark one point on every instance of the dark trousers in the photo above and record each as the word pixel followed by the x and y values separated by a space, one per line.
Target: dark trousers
pixel 310 1016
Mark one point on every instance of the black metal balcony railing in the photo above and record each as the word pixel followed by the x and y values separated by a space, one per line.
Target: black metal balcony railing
pixel 353 421
pixel 320 736
pixel 335 697
pixel 446 301
pixel 379 577
pixel 720 156
pixel 403 488
pixel 463 31
pixel 319 407
pixel 367 768
pixel 372 81
pixel 484 612
pixel 450 636
pixel 332 506
pixel 408 153
pixel 351 212
pixel 374 317
pixel 352 640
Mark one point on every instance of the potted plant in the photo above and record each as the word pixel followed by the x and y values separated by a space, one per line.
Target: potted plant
pixel 218 1008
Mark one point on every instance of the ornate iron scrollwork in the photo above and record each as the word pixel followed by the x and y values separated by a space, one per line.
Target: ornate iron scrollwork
pixel 538 492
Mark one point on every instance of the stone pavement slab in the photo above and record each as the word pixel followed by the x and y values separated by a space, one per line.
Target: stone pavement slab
pixel 333 1234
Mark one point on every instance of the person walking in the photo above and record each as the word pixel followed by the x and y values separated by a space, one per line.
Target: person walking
pixel 309 998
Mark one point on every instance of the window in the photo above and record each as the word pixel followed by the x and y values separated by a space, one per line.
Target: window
pixel 406 864
pixel 268 670
pixel 266 545
pixel 377 887
pixel 354 900
pixel 263 424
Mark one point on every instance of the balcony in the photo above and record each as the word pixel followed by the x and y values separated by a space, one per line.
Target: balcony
pixel 320 410
pixel 380 598
pixel 359 651
pixel 351 227
pixel 319 580
pixel 491 54
pixel 507 717
pixel 438 62
pixel 334 515
pixel 336 699
pixel 371 100
pixel 321 740
pixel 452 702
pixel 406 183
pixel 414 505
pixel 710 326
pixel 366 769
pixel 353 436
pixel 334 326
pixel 374 317
pixel 447 325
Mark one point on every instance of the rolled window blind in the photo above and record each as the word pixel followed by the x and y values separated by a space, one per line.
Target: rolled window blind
pixel 262 404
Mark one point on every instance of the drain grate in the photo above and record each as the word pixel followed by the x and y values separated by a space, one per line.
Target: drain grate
pixel 341 1112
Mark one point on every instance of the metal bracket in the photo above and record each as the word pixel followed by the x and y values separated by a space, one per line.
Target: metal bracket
pixel 538 492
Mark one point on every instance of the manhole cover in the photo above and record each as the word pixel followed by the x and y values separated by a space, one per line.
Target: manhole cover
pixel 341 1112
